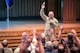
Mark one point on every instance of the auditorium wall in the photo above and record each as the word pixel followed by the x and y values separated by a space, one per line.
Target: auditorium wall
pixel 55 5
pixel 22 9
pixel 78 9
pixel 29 9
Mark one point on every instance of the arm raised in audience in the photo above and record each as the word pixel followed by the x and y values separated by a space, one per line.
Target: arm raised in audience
pixel 67 48
pixel 23 47
pixel 60 32
pixel 41 48
pixel 75 37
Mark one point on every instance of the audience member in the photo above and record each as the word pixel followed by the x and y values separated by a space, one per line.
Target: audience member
pixel 37 43
pixel 6 49
pixel 23 38
pixel 29 43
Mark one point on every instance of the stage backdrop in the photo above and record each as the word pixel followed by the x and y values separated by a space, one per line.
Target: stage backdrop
pixel 21 9
pixel 29 9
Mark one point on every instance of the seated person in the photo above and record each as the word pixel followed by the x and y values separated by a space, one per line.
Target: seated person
pixel 5 47
pixel 43 38
pixel 25 48
pixel 72 43
pixel 76 43
pixel 24 36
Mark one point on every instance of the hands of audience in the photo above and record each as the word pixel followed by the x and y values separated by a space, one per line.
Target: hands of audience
pixel 60 32
pixel 62 28
pixel 33 31
pixel 24 35
pixel 74 33
pixel 39 38
pixel 23 47
pixel 28 41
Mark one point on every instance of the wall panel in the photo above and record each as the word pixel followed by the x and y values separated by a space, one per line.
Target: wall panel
pixel 78 9
pixel 21 8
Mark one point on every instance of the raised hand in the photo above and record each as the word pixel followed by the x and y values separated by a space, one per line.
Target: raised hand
pixel 39 38
pixel 33 31
pixel 28 41
pixel 74 33
pixel 25 45
pixel 62 27
pixel 43 5
pixel 24 36
pixel 60 32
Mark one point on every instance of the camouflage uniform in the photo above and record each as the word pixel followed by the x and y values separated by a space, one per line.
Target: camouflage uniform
pixel 47 24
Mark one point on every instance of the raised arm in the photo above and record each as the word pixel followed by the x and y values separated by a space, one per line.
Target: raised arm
pixel 67 48
pixel 34 40
pixel 75 37
pixel 60 32
pixel 42 14
pixel 23 47
pixel 34 33
pixel 41 48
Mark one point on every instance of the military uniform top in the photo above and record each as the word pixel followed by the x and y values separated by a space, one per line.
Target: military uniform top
pixel 48 20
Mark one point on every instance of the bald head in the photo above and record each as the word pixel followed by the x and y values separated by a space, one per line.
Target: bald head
pixel 24 33
pixel 24 36
pixel 51 14
pixel 5 43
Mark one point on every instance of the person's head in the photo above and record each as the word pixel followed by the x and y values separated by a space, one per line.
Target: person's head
pixel 51 14
pixel 5 43
pixel 55 44
pixel 48 46
pixel 28 40
pixel 70 38
pixel 24 35
pixel 48 43
pixel 43 38
pixel 61 48
pixel 75 49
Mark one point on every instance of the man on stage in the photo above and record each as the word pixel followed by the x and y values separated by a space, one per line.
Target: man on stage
pixel 50 22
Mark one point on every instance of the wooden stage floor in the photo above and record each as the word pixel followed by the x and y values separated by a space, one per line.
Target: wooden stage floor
pixel 29 24
pixel 41 26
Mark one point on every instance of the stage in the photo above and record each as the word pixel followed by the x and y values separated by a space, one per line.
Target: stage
pixel 30 24
pixel 13 34
pixel 20 25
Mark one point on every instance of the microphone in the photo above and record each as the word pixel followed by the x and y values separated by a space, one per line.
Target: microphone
pixel 52 25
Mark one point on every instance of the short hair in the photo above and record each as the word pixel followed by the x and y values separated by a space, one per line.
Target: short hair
pixel 51 12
